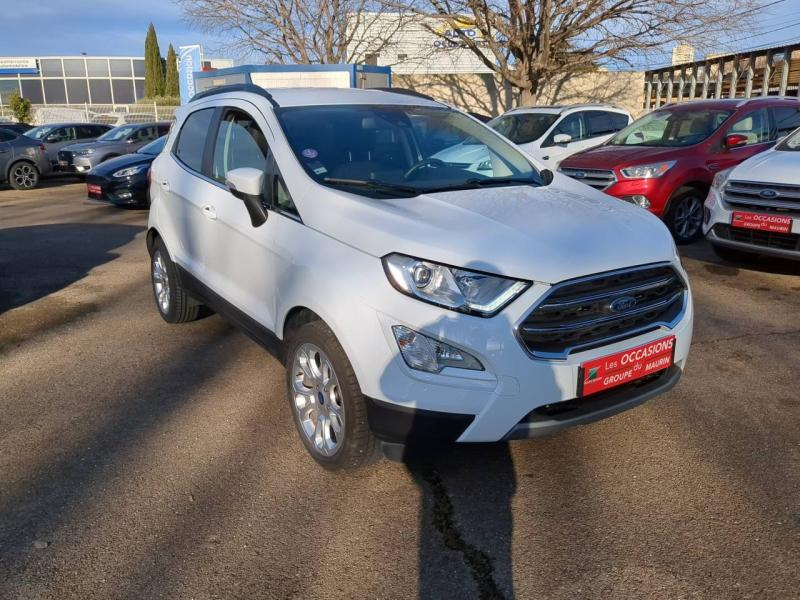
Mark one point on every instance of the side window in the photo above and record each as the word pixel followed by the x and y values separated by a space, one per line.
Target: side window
pixel 192 139
pixel 599 123
pixel 619 121
pixel 572 125
pixel 145 134
pixel 754 125
pixel 62 134
pixel 785 119
pixel 283 201
pixel 6 136
pixel 86 131
pixel 240 143
pixel 163 130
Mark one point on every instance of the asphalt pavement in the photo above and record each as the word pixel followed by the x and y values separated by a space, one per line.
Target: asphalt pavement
pixel 145 460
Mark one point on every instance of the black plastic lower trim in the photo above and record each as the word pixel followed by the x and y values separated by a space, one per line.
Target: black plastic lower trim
pixel 398 424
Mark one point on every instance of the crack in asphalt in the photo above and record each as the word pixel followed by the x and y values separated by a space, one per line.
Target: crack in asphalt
pixel 746 335
pixel 477 561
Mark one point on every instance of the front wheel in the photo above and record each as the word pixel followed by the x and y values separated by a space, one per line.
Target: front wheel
pixel 685 217
pixel 173 303
pixel 23 176
pixel 327 405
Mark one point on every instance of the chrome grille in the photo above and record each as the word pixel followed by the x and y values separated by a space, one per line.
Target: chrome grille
pixel 585 313
pixel 764 197
pixel 599 179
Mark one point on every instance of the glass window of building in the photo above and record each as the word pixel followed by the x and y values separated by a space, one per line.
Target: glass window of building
pixel 138 67
pixel 120 67
pixel 138 86
pixel 74 67
pixel 97 67
pixel 54 91
pixel 77 91
pixel 51 67
pixel 32 90
pixel 123 91
pixel 7 86
pixel 100 90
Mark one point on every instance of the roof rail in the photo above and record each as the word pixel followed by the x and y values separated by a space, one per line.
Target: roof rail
pixel 406 92
pixel 236 87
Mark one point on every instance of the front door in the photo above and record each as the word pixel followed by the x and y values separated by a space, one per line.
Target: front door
pixel 755 127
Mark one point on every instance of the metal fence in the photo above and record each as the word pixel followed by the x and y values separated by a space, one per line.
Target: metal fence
pixel 110 114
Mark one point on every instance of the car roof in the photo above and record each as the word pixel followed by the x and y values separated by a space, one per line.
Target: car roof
pixel 731 103
pixel 288 97
pixel 68 124
pixel 566 108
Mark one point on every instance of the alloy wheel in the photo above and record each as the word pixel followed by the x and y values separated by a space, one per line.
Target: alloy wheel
pixel 161 282
pixel 688 217
pixel 317 399
pixel 25 176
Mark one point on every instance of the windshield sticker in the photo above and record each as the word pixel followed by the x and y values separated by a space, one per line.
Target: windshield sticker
pixel 310 153
pixel 320 170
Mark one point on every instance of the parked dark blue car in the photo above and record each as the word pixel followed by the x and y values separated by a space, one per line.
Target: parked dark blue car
pixel 124 180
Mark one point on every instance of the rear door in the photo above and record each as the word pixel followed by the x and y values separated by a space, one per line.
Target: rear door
pixel 755 126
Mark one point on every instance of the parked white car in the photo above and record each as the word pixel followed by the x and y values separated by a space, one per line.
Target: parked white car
pixel 547 133
pixel 754 208
pixel 413 300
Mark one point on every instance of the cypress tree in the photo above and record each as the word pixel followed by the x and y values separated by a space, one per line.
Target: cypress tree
pixel 171 77
pixel 153 68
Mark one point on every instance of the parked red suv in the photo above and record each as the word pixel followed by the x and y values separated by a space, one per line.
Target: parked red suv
pixel 665 161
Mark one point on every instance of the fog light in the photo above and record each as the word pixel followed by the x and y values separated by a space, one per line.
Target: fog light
pixel 427 354
pixel 124 195
pixel 638 200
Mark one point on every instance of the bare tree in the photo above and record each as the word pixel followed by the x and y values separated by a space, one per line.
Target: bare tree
pixel 530 43
pixel 296 31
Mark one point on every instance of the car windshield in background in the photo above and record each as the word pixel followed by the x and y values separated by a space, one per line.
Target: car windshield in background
pixel 154 148
pixel 392 150
pixel 116 134
pixel 523 128
pixel 671 128
pixel 791 143
pixel 37 133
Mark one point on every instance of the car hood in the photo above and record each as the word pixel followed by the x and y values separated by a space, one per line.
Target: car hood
pixel 128 160
pixel 772 166
pixel 95 144
pixel 545 234
pixel 608 156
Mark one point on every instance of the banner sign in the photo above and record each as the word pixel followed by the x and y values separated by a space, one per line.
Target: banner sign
pixel 18 64
pixel 190 60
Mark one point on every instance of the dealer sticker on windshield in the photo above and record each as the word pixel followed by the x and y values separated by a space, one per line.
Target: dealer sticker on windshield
pixel 623 367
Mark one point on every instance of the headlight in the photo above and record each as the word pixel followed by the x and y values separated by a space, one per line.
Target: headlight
pixel 86 152
pixel 720 179
pixel 650 171
pixel 425 353
pixel 457 289
pixel 130 171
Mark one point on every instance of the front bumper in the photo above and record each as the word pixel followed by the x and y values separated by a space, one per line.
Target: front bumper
pixel 501 401
pixel 120 192
pixel 81 164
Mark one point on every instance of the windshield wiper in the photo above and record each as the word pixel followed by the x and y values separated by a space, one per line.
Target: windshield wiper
pixel 373 184
pixel 474 183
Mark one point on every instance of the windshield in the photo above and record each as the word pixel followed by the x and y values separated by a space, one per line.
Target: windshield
pixel 791 143
pixel 38 133
pixel 400 150
pixel 671 128
pixel 523 128
pixel 116 134
pixel 153 148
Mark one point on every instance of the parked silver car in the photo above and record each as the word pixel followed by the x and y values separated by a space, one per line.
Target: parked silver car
pixel 80 158
pixel 22 160
pixel 57 136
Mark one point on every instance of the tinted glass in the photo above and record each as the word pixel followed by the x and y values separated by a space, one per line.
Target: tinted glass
pixel 100 90
pixel 400 150
pixel 240 143
pixel 138 87
pixel 54 91
pixel 74 67
pixel 51 67
pixel 87 131
pixel 787 119
pixel 144 134
pixel 77 91
pixel 138 68
pixel 32 90
pixel 790 143
pixel 120 67
pixel 572 125
pixel 97 67
pixel 192 139
pixel 754 126
pixel 123 91
pixel 671 128
pixel 153 148
pixel 6 136
pixel 61 134
pixel 523 128
pixel 600 122
pixel 7 86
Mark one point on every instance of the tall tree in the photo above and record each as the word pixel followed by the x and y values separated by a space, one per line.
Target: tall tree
pixel 530 43
pixel 171 76
pixel 296 31
pixel 153 67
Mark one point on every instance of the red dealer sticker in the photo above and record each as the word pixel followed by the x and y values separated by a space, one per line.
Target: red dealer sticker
pixel 774 223
pixel 623 367
pixel 94 190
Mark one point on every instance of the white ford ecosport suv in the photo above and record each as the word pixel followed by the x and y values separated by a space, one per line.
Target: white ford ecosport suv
pixel 414 300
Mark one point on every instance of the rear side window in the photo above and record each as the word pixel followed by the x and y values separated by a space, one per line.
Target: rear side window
pixel 192 139
pixel 754 126
pixel 240 143
pixel 87 131
pixel 786 120
pixel 6 136
pixel 600 122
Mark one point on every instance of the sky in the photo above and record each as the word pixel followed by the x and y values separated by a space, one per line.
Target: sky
pixel 118 27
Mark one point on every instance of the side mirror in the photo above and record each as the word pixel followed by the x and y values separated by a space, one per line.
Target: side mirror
pixel 562 138
pixel 130 141
pixel 247 183
pixel 547 176
pixel 735 140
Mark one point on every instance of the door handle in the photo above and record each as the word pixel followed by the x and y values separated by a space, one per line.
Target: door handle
pixel 210 212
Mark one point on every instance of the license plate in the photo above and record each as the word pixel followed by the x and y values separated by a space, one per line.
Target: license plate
pixel 610 371
pixel 761 222
pixel 94 190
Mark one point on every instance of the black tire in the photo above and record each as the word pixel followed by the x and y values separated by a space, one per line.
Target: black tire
pixel 23 175
pixel 356 445
pixel 177 306
pixel 685 216
pixel 732 254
